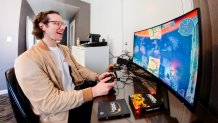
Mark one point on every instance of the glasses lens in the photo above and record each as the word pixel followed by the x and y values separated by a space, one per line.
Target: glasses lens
pixel 59 23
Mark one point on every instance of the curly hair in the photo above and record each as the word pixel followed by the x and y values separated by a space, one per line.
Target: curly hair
pixel 41 17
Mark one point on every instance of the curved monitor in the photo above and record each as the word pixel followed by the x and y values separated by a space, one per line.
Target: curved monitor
pixel 170 51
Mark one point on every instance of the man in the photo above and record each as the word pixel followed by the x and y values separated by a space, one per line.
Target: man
pixel 48 73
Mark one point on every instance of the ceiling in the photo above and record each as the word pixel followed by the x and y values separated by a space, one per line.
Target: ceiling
pixel 67 11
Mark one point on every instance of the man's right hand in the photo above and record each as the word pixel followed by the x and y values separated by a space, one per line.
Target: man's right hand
pixel 102 88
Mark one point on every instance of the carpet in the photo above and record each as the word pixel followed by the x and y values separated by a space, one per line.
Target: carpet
pixel 6 112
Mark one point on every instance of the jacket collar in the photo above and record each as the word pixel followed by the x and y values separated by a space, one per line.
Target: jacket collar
pixel 42 45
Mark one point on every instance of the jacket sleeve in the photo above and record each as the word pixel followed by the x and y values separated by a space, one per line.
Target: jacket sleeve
pixel 41 91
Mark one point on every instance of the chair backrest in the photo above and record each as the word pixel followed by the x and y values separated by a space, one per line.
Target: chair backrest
pixel 19 102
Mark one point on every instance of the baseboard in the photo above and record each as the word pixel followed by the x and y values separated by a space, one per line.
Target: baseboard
pixel 3 92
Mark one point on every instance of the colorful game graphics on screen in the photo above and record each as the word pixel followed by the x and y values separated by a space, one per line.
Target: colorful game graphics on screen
pixel 170 51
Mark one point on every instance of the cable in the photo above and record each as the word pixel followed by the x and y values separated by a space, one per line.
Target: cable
pixel 122 55
pixel 123 79
pixel 192 4
pixel 111 54
pixel 182 7
pixel 117 90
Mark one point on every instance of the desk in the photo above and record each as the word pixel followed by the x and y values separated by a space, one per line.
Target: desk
pixel 161 117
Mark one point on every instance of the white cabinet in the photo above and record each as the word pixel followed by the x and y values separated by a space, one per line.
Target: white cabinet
pixel 93 58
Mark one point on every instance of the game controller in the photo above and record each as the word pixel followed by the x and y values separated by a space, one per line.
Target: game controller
pixel 111 79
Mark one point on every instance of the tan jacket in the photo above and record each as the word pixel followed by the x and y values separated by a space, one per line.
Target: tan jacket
pixel 37 73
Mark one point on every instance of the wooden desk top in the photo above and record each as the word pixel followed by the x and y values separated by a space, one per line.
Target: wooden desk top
pixel 123 93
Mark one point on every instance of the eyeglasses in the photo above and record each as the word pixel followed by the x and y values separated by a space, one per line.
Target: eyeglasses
pixel 58 23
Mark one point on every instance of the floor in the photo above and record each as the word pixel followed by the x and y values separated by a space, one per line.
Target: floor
pixel 6 113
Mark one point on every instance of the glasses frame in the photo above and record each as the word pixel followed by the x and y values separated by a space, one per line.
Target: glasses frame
pixel 58 23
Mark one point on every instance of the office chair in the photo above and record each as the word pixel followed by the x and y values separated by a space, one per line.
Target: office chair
pixel 19 102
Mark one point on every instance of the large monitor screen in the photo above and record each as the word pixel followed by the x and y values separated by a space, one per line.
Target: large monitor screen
pixel 170 51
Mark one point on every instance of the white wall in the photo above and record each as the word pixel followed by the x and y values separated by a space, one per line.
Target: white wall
pixel 106 20
pixel 187 5
pixel 141 14
pixel 9 26
pixel 117 20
